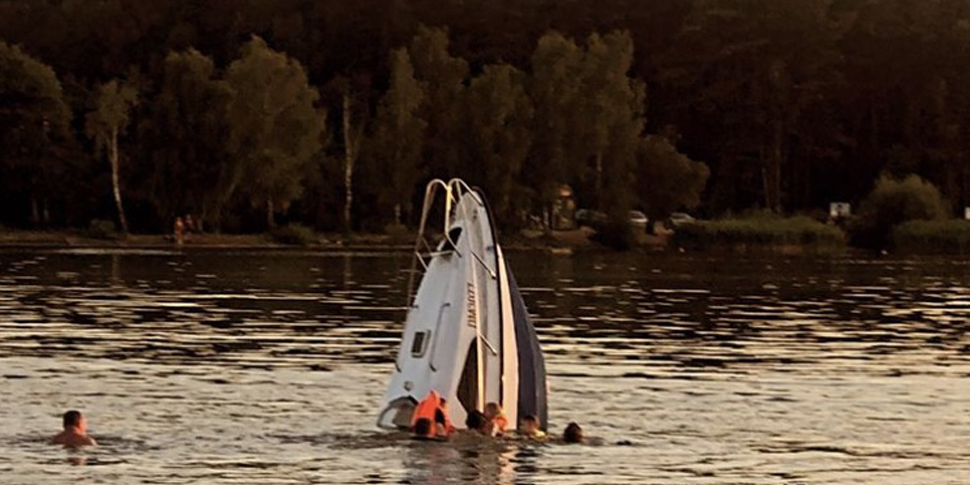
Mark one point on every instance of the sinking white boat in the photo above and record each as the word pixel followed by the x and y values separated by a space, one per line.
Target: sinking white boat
pixel 467 334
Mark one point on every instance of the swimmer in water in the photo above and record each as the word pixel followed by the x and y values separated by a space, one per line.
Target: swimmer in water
pixel 572 434
pixel 476 421
pixel 496 417
pixel 433 409
pixel 529 428
pixel 442 420
pixel 424 429
pixel 75 432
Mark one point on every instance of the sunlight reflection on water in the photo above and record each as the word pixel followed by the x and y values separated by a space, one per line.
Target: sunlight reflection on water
pixel 267 368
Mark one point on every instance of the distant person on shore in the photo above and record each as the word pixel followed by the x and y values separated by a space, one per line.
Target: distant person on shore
pixel 498 423
pixel 189 226
pixel 179 230
pixel 75 432
pixel 529 427
pixel 573 433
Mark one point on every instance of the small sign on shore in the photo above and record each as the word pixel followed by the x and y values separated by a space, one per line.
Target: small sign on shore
pixel 840 210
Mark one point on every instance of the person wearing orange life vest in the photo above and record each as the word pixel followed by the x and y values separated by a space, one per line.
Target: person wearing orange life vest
pixel 433 409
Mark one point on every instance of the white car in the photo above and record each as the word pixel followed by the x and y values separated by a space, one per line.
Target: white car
pixel 638 219
pixel 679 219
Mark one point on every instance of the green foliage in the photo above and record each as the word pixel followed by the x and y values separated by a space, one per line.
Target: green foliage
pixel 444 76
pixel 792 104
pixel 105 124
pixel 616 233
pixel 184 136
pixel 667 179
pixel 34 124
pixel 758 230
pixel 949 236
pixel 498 121
pixel 893 202
pixel 102 229
pixel 611 124
pixel 275 127
pixel 393 154
pixel 294 235
pixel 555 87
pixel 399 233
pixel 588 120
pixel 744 74
pixel 111 115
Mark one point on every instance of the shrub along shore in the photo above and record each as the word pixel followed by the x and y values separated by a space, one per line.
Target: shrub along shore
pixel 757 233
pixel 760 231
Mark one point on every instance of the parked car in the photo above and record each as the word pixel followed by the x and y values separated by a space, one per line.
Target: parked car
pixel 638 220
pixel 679 219
pixel 597 219
pixel 590 218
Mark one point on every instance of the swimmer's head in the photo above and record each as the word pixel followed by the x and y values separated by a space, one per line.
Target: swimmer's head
pixel 530 424
pixel 476 421
pixel 424 428
pixel 493 410
pixel 573 433
pixel 74 419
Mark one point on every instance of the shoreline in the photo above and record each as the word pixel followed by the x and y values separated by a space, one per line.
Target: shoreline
pixel 562 242
pixel 559 243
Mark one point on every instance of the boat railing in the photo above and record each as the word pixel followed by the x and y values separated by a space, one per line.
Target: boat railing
pixel 454 190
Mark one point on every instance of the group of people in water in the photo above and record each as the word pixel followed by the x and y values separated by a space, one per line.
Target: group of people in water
pixel 430 421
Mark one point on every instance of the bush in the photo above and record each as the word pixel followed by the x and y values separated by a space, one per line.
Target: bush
pixel 294 234
pixel 102 229
pixel 891 203
pixel 951 236
pixel 758 230
pixel 398 232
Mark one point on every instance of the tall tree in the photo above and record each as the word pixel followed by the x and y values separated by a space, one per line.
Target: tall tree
pixel 185 134
pixel 748 70
pixel 398 139
pixel 275 127
pixel 612 108
pixel 667 179
pixel 499 117
pixel 353 124
pixel 105 124
pixel 556 89
pixel 34 121
pixel 445 77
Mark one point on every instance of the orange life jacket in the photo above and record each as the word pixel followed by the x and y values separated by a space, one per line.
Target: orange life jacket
pixel 428 408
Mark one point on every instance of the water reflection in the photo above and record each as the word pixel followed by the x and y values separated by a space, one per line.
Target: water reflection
pixel 266 368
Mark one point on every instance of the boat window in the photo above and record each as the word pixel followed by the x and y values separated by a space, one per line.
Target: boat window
pixel 420 343
pixel 468 384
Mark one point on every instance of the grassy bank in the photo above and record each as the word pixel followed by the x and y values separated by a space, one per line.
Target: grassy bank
pixel 951 236
pixel 765 231
pixel 287 236
pixel 282 238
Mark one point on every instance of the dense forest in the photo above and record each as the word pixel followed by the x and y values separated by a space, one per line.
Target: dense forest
pixel 250 113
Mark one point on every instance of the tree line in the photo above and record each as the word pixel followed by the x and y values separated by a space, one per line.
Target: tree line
pixel 333 114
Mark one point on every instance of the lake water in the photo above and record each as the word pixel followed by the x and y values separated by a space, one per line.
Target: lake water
pixel 267 368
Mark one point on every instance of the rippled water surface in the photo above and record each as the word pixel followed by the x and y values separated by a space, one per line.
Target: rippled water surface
pixel 686 369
